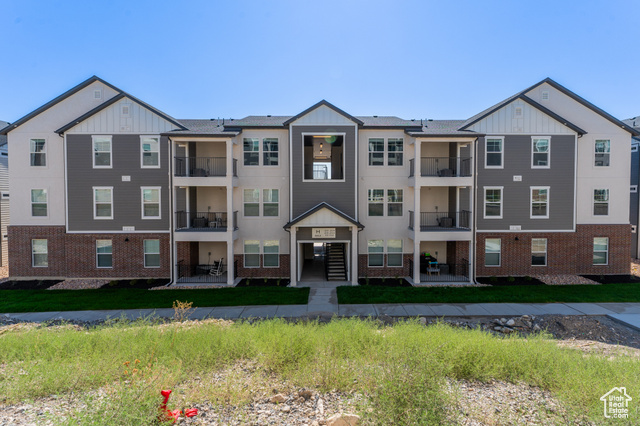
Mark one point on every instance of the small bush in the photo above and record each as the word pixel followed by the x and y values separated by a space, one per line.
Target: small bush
pixel 366 280
pixel 113 283
pixel 528 278
pixel 151 281
pixel 133 282
pixel 511 279
pixel 493 279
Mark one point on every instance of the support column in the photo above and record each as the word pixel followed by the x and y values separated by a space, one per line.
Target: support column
pixel 354 255
pixel 293 256
pixel 416 214
pixel 229 207
pixel 230 262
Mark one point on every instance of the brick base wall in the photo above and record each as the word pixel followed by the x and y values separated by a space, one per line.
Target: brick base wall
pixel 567 252
pixel 364 270
pixel 281 272
pixel 74 255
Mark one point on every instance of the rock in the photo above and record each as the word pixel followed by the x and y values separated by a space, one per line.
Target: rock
pixel 511 323
pixel 525 317
pixel 278 399
pixel 497 328
pixel 285 408
pixel 321 407
pixel 503 320
pixel 536 327
pixel 315 423
pixel 423 321
pixel 306 394
pixel 343 419
pixel 507 330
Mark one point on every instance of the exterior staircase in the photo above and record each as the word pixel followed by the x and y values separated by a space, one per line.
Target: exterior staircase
pixel 335 262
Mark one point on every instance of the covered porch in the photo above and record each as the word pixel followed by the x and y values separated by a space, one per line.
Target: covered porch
pixel 443 262
pixel 203 262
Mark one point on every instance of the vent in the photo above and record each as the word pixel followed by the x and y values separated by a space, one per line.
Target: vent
pixel 517 112
pixel 5 194
pixel 634 188
pixel 97 94
pixel 125 110
pixel 545 96
pixel 5 237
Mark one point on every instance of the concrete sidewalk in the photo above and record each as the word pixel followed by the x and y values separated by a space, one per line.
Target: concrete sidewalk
pixel 628 313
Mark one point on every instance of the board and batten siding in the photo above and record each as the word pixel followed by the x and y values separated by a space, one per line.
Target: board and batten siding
pixel 306 195
pixel 516 196
pixel 4 208
pixel 127 198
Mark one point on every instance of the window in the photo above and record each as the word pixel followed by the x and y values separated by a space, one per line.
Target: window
pixel 376 152
pixel 600 202
pixel 394 253
pixel 538 251
pixel 394 202
pixel 270 202
pixel 150 152
pixel 151 203
pixel 493 202
pixel 104 254
pixel 101 152
pixel 603 149
pixel 540 148
pixel 376 202
pixel 270 151
pixel 323 157
pixel 151 253
pixel 492 247
pixel 394 148
pixel 251 148
pixel 539 202
pixel 39 254
pixel 376 252
pixel 102 202
pixel 38 152
pixel 39 202
pixel 252 202
pixel 251 254
pixel 271 254
pixel 601 251
pixel 493 154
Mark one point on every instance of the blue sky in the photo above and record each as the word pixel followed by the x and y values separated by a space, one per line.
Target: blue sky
pixel 413 59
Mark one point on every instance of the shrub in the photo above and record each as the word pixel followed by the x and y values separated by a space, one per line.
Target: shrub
pixel 511 279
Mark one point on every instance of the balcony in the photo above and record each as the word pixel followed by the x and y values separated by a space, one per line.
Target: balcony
pixel 203 167
pixel 205 221
pixel 442 167
pixel 213 273
pixel 442 221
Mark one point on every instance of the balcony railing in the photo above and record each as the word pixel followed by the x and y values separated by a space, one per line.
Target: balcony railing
pixel 444 221
pixel 202 221
pixel 445 272
pixel 202 166
pixel 201 273
pixel 445 166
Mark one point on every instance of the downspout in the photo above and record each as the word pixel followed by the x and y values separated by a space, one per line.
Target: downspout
pixel 475 212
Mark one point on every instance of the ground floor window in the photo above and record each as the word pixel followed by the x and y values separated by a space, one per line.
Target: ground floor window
pixel 600 251
pixel 251 254
pixel 492 251
pixel 375 249
pixel 39 253
pixel 394 253
pixel 271 251
pixel 151 253
pixel 104 254
pixel 539 252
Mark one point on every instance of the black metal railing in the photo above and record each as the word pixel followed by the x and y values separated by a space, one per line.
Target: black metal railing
pixel 445 166
pixel 200 166
pixel 412 167
pixel 410 220
pixel 201 273
pixel 445 272
pixel 210 221
pixel 442 221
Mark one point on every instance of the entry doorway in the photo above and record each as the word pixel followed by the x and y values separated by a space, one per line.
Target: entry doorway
pixel 323 261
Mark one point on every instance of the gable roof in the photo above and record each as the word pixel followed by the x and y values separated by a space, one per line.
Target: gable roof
pixel 442 128
pixel 205 128
pixel 112 101
pixel 318 105
pixel 560 88
pixel 319 207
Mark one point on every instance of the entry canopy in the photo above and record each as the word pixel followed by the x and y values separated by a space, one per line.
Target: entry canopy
pixel 324 215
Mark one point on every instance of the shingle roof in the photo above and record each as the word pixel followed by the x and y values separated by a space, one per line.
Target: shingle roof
pixel 387 121
pixel 258 121
pixel 442 128
pixel 318 105
pixel 203 127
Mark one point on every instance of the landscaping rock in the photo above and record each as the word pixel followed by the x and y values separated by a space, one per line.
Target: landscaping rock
pixel 343 419
pixel 278 399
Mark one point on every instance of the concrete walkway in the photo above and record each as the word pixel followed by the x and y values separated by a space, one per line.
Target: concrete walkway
pixel 323 300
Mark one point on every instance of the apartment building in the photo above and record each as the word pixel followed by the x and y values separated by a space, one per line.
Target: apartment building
pixel 105 185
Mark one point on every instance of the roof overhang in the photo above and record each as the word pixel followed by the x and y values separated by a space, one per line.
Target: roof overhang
pixel 328 105
pixel 348 220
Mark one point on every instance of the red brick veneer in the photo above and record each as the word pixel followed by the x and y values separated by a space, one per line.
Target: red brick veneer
pixel 281 272
pixel 567 252
pixel 364 270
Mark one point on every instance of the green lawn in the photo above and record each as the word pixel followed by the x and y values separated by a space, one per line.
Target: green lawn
pixel 628 292
pixel 77 300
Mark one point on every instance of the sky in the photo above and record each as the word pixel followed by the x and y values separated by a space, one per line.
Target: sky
pixel 412 59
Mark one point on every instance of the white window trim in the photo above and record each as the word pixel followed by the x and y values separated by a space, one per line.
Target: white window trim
pixel 259 152
pixel 46 191
pixel 593 163
pixel 383 252
pixel 244 254
pixel 344 156
pixel 600 251
pixel 142 203
pixel 548 166
pixel 384 198
pixel 486 140
pixel 385 202
pixel 104 267
pixel 546 249
pixel 270 254
pixel 262 152
pixel 144 254
pixel 383 152
pixel 93 151
pixel 244 203
pixel 531 189
pixel 593 202
pixel 45 152
pixel 401 252
pixel 95 217
pixel 142 138
pixel 33 264
pixel 484 209
pixel 262 202
pixel 499 254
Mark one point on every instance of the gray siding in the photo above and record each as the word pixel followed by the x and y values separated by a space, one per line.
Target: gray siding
pixel 516 198
pixel 633 212
pixel 306 195
pixel 4 208
pixel 127 200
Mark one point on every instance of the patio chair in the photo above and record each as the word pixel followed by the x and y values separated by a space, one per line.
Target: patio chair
pixel 216 271
pixel 433 268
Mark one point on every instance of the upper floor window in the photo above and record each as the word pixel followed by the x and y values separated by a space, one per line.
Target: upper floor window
pixel 270 151
pixel 539 202
pixel 600 202
pixel 540 149
pixel 150 152
pixel 251 202
pixel 602 152
pixel 394 151
pixel 151 203
pixel 395 148
pixel 394 202
pixel 39 202
pixel 270 202
pixel 251 148
pixel 493 202
pixel 102 151
pixel 38 152
pixel 376 202
pixel 323 157
pixel 102 202
pixel 494 153
pixel 376 152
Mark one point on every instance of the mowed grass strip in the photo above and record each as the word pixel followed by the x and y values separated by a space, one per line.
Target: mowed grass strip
pixel 102 299
pixel 402 370
pixel 627 292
